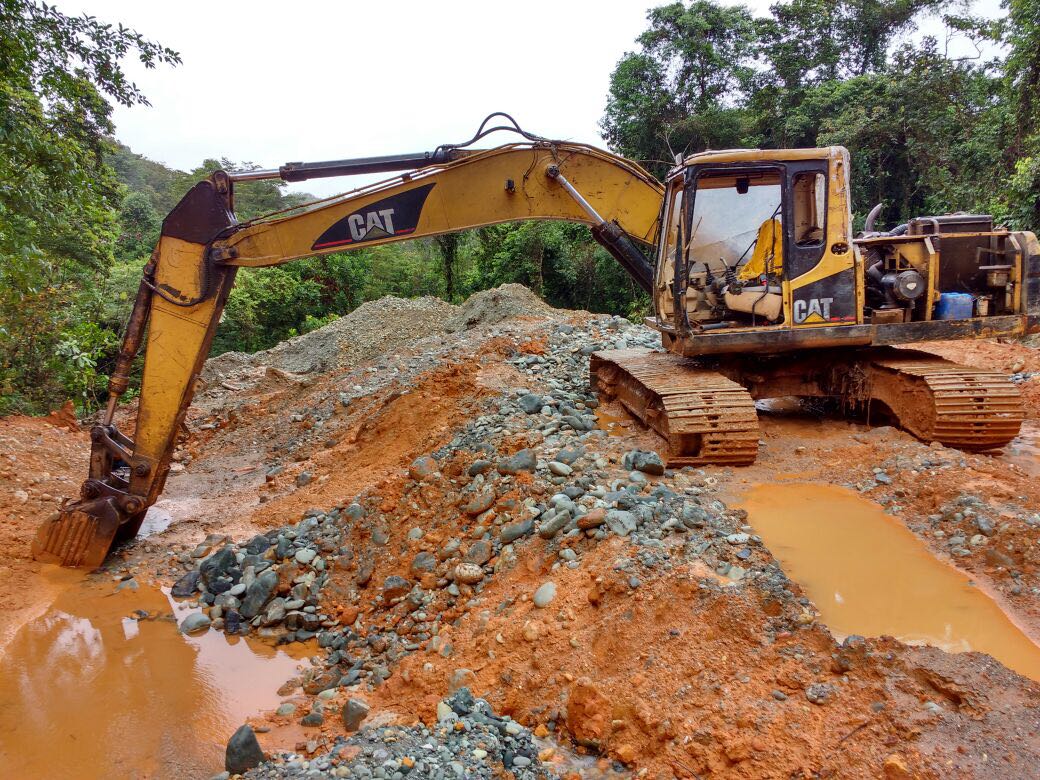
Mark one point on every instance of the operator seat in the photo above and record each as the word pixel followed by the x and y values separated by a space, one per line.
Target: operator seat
pixel 759 297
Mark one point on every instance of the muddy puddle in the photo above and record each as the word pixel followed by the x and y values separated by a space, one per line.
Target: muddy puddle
pixel 613 424
pixel 869 575
pixel 103 685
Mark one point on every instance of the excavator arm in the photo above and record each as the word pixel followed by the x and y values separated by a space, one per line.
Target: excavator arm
pixel 191 273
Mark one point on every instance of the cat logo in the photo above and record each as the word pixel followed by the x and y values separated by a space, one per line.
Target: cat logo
pixel 397 215
pixel 812 311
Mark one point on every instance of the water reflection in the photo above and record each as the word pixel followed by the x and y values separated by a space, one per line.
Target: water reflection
pixel 104 686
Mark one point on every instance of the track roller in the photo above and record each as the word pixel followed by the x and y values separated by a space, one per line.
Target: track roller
pixel 705 417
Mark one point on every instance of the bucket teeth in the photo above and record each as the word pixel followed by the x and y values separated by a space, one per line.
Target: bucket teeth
pixel 705 417
pixel 76 538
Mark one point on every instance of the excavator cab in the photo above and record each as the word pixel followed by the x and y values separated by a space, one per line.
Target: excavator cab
pixel 758 255
pixel 755 240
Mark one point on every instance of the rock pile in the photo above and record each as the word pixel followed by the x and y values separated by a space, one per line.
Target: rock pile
pixel 468 741
pixel 270 584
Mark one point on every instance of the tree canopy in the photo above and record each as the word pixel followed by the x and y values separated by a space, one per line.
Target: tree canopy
pixel 928 132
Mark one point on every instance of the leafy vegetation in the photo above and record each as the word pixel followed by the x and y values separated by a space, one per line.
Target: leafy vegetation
pixel 928 132
pixel 80 214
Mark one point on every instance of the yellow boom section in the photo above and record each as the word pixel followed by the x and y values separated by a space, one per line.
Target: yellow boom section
pixel 504 184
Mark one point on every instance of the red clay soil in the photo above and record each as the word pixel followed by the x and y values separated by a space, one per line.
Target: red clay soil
pixel 679 676
pixel 40 463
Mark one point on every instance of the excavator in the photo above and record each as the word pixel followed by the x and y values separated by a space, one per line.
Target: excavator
pixel 759 290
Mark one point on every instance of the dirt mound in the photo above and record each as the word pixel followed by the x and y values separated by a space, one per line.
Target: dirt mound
pixel 493 306
pixel 371 329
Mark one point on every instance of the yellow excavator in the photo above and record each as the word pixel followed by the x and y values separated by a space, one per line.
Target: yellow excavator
pixel 759 290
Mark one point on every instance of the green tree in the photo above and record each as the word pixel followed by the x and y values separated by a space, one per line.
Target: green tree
pixel 448 246
pixel 678 93
pixel 139 225
pixel 58 198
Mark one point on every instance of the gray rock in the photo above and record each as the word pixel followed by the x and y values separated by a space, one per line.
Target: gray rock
pixel 544 595
pixel 819 693
pixel 553 524
pixel 479 503
pixel 354 711
pixel 531 403
pixel 257 545
pixel 579 423
pixel 646 462
pixel 423 563
pixel 560 469
pixel 305 555
pixel 275 612
pixel 422 468
pixel 524 460
pixel 304 478
pixel 217 564
pixel 985 525
pixel 621 522
pixel 513 531
pixel 479 467
pixel 394 587
pixel 243 751
pixel 194 622
pixel 187 585
pixel 479 552
pixel 570 454
pixel 258 593
pixel 312 718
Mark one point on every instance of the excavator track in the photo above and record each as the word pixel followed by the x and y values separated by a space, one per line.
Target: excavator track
pixel 705 417
pixel 939 400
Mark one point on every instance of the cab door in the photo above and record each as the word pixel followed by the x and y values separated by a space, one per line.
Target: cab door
pixel 819 264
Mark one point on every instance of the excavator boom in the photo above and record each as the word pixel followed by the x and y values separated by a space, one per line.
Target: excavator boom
pixel 187 282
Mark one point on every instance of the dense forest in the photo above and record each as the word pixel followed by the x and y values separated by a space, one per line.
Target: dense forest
pixel 79 214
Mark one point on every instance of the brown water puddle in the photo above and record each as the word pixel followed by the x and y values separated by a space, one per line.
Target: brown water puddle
pixel 87 691
pixel 613 424
pixel 869 575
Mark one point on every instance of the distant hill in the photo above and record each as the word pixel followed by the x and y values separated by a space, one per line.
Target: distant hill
pixel 163 186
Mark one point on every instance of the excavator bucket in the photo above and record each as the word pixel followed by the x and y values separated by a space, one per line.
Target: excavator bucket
pixel 79 535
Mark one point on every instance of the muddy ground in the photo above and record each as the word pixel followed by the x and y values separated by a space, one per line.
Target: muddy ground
pixel 402 448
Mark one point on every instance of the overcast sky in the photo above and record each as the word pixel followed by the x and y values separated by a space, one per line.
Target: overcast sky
pixel 272 82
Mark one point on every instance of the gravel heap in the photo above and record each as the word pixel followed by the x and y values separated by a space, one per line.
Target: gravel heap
pixel 270 584
pixel 575 489
pixel 490 307
pixel 372 329
pixel 469 741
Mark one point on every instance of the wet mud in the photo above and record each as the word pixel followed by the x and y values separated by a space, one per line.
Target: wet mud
pixel 869 575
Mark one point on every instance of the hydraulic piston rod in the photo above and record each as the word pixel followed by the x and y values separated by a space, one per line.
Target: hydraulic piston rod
pixel 610 235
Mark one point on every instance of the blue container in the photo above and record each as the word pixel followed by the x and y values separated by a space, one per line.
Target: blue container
pixel 954 306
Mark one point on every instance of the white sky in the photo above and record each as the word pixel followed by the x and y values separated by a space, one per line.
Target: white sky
pixel 273 82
